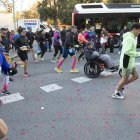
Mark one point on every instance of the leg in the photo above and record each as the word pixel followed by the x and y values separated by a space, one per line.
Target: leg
pixel 73 70
pixel 25 66
pixel 134 77
pixel 42 54
pixel 33 53
pixel 107 59
pixel 5 82
pixel 61 51
pixel 56 51
pixel 103 48
pixel 64 56
pixel 73 62
pixel 122 82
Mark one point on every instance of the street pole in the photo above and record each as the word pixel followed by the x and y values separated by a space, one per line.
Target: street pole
pixel 14 17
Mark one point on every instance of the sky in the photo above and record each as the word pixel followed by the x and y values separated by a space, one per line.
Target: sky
pixel 26 4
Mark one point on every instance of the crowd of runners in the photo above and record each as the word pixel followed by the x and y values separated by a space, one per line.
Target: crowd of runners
pixel 90 44
pixel 68 41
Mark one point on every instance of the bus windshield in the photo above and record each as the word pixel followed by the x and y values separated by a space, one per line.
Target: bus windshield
pixel 111 16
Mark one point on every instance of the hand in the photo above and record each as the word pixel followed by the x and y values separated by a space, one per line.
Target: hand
pixel 3 129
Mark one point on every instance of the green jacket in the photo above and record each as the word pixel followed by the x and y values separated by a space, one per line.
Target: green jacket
pixel 129 52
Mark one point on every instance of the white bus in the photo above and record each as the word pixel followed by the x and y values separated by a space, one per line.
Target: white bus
pixel 111 16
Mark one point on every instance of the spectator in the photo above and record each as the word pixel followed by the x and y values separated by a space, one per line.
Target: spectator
pixel 63 35
pixel 111 44
pixel 103 42
pixel 31 36
pixel 5 40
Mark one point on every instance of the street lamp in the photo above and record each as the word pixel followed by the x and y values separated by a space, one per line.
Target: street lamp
pixel 14 17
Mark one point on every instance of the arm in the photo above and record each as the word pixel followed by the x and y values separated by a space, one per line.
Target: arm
pixel 128 44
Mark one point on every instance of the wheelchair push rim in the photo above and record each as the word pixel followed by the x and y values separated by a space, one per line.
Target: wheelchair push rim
pixel 92 69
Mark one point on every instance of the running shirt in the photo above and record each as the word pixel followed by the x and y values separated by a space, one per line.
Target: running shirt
pixel 4 64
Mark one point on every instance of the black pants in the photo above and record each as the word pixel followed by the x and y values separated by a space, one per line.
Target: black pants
pixel 56 49
pixel 111 48
pixel 43 49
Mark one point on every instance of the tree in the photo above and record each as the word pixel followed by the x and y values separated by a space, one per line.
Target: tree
pixel 48 9
pixel 59 9
pixel 32 13
pixel 123 1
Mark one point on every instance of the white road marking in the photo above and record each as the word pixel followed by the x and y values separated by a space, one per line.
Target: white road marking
pixel 107 73
pixel 52 87
pixel 11 98
pixel 81 79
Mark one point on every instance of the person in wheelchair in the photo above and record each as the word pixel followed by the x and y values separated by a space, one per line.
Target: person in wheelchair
pixel 92 55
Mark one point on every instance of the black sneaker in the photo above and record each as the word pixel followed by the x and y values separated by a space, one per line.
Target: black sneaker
pixel 117 95
pixel 11 79
pixel 114 68
pixel 5 92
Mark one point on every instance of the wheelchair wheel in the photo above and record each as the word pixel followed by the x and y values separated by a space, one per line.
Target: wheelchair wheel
pixel 92 69
pixel 120 72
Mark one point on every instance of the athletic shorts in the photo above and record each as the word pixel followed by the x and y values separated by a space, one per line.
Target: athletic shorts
pixel 22 55
pixel 127 71
pixel 67 51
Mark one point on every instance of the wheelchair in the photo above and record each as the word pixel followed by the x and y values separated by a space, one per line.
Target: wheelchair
pixel 93 68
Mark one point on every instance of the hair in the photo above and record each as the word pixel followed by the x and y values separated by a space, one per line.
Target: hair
pixel 135 26
pixel 21 30
pixel 2 29
pixel 89 43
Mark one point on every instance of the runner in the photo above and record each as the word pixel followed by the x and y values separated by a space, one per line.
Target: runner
pixel 6 70
pixel 57 47
pixel 31 37
pixel 127 61
pixel 22 48
pixel 68 49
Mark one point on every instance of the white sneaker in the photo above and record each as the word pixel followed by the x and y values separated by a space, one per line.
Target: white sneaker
pixel 122 91
pixel 53 61
pixel 119 52
pixel 42 59
pixel 117 95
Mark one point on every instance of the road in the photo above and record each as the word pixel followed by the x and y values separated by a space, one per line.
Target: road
pixel 54 106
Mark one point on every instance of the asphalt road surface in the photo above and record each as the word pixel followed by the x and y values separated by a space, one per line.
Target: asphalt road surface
pixel 52 106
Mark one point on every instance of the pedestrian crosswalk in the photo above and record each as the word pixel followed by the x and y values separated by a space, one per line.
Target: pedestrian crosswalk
pixel 50 88
pixel 11 98
pixel 81 79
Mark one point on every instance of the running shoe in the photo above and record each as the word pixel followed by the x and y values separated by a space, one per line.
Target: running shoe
pixel 122 91
pixel 117 95
pixel 36 61
pixel 11 79
pixel 58 70
pixel 42 59
pixel 26 74
pixel 5 92
pixel 74 70
pixel 53 61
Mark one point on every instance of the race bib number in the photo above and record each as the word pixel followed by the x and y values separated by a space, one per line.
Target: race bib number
pixel 71 50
